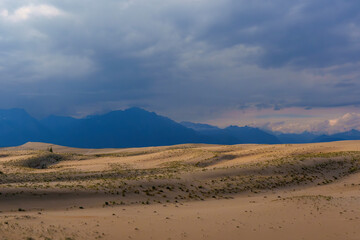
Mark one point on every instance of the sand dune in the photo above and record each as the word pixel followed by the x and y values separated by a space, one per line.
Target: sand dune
pixel 191 191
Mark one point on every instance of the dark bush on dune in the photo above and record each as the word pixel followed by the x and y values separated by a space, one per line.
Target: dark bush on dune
pixel 43 161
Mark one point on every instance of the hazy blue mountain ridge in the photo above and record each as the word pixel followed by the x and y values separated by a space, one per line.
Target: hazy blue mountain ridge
pixel 136 127
pixel 18 127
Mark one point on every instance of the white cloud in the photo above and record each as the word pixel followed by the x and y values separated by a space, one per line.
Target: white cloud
pixel 285 126
pixel 26 12
pixel 344 123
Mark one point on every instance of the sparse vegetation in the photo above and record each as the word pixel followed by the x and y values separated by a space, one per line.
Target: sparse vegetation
pixel 168 181
pixel 43 161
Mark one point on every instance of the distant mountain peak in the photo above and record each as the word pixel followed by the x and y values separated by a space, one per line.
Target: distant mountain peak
pixel 199 126
pixel 132 110
pixel 136 109
pixel 243 127
pixel 234 134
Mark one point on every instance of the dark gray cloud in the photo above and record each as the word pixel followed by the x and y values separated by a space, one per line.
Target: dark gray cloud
pixel 186 59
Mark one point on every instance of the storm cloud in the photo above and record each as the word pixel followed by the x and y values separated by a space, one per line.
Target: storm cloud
pixel 190 60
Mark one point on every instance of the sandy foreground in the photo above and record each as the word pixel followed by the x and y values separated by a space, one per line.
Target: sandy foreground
pixel 192 191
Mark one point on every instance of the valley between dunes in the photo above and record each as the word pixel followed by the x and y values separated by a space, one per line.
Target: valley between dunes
pixel 190 191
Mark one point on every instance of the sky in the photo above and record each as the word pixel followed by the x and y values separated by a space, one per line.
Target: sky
pixel 283 65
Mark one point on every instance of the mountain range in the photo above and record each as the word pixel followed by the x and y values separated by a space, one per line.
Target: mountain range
pixel 136 127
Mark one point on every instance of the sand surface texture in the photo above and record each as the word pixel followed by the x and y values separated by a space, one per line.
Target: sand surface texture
pixel 191 191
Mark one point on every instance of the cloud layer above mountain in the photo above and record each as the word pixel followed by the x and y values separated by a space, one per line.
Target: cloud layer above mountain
pixel 345 123
pixel 190 60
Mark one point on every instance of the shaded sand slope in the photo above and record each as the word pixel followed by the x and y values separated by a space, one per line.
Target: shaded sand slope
pixel 191 191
